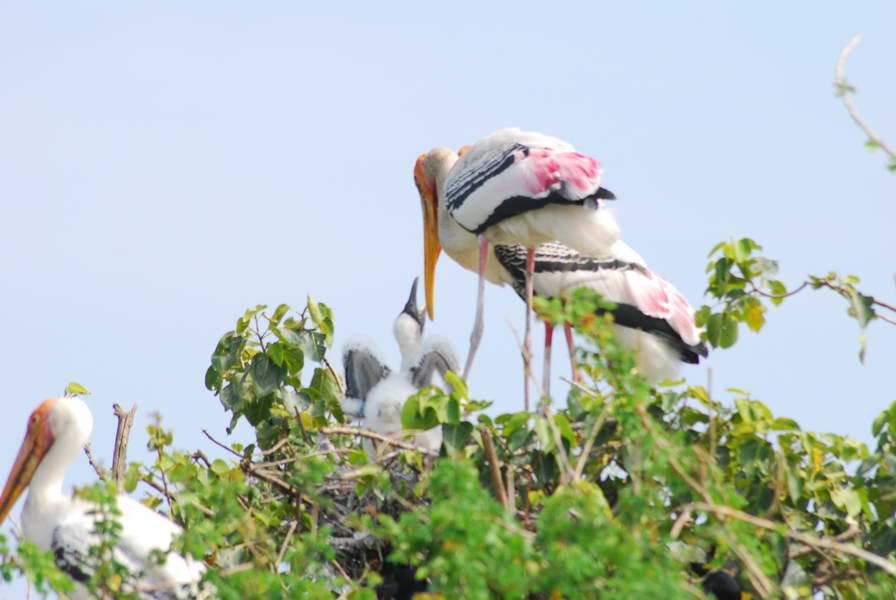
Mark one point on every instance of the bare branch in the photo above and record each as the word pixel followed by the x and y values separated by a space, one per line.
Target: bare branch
pixel 494 467
pixel 100 471
pixel 221 444
pixel 292 529
pixel 120 451
pixel 844 91
pixel 805 538
pixel 375 436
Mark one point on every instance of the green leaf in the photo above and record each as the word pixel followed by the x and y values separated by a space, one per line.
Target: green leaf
pixel 755 315
pixel 847 499
pixel 566 432
pixel 778 289
pixel 227 353
pixel 243 322
pixel 289 357
pixel 74 389
pixel 312 344
pixel 328 388
pixel 458 385
pixel 322 316
pixel 702 316
pixel 863 346
pixel 794 485
pixel 714 329
pixel 266 375
pixel 543 431
pixel 784 424
pixel 861 307
pixel 456 435
pixel 742 249
pixel 416 416
pixel 132 477
pixel 727 331
pixel 279 312
pixel 716 248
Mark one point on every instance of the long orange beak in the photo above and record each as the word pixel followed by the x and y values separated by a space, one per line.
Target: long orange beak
pixel 431 245
pixel 37 442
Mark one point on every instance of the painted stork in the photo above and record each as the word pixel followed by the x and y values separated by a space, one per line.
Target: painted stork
pixel 56 434
pixel 652 317
pixel 518 187
pixel 376 394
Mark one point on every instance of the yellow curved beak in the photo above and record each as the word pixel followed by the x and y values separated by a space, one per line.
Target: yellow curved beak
pixel 431 245
pixel 37 442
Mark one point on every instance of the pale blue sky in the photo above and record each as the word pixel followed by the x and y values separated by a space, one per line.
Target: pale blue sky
pixel 163 167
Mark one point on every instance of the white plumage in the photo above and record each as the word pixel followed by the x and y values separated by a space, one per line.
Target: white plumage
pixel 666 336
pixel 376 394
pixel 528 188
pixel 652 317
pixel 57 432
pixel 516 187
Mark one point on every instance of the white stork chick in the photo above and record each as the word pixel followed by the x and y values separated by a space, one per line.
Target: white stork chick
pixel 56 434
pixel 376 394
pixel 516 187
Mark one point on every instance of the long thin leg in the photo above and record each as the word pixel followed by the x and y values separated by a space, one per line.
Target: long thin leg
pixel 548 336
pixel 567 330
pixel 478 324
pixel 527 343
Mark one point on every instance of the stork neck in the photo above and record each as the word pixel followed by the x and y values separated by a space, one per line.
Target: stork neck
pixel 409 336
pixel 71 424
pixel 46 484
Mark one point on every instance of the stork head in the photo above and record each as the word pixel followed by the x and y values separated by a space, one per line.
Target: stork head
pixel 39 437
pixel 408 327
pixel 59 427
pixel 429 175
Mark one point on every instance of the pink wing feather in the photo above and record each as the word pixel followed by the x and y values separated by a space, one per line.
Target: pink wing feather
pixel 656 297
pixel 576 174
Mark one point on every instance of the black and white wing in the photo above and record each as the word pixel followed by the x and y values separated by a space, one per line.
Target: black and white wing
pixel 511 172
pixel 143 533
pixel 70 545
pixel 438 357
pixel 363 370
pixel 645 301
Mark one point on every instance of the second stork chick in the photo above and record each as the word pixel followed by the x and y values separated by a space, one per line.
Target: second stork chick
pixel 376 394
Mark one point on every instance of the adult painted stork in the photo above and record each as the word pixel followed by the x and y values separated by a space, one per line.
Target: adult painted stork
pixel 652 317
pixel 518 187
pixel 56 434
pixel 375 394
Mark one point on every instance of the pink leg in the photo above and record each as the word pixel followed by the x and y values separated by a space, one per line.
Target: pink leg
pixel 527 343
pixel 567 330
pixel 548 336
pixel 478 324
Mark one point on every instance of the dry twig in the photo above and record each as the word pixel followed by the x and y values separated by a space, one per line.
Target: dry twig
pixel 120 450
pixel 100 471
pixel 495 467
pixel 375 436
pixel 844 91
pixel 805 538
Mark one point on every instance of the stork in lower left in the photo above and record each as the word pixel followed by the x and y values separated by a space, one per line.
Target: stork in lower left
pixel 57 431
